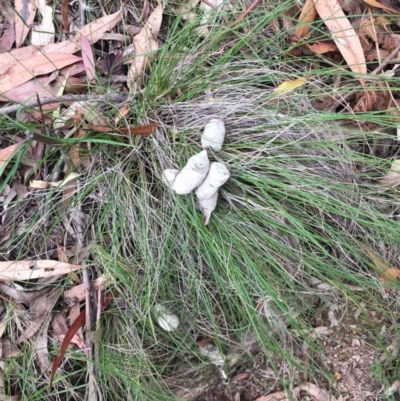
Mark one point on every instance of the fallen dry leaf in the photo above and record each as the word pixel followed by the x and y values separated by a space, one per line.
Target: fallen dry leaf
pixel 145 44
pixel 21 296
pixel 278 396
pixel 93 31
pixel 41 345
pixel 386 272
pixel 6 154
pixel 8 349
pixel 40 311
pixel 307 15
pixel 24 17
pixel 43 86
pixel 29 270
pixel 318 393
pixel 290 85
pixel 321 48
pixel 16 73
pixel 144 130
pixel 376 4
pixel 79 293
pixel 343 34
pixel 60 327
pixel 392 178
pixel 8 38
pixel 87 57
pixel 64 14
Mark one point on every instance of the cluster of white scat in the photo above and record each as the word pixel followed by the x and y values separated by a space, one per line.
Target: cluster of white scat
pixel 199 174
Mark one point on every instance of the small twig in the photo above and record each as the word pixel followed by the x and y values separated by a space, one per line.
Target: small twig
pixel 245 13
pixel 116 97
pixel 377 70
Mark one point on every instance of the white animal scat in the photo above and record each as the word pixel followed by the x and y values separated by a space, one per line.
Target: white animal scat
pixel 193 174
pixel 207 206
pixel 216 177
pixel 165 319
pixel 213 135
pixel 168 176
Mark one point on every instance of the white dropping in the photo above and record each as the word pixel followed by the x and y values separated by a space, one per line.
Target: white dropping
pixel 165 319
pixel 193 174
pixel 215 357
pixel 217 176
pixel 213 135
pixel 207 206
pixel 169 176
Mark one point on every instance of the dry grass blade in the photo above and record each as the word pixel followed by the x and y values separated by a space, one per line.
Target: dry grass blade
pixel 29 270
pixel 343 34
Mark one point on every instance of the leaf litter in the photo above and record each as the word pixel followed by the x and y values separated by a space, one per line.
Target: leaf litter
pixel 43 67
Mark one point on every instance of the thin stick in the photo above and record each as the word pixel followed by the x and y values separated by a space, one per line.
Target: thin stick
pixel 377 70
pixel 116 97
pixel 245 13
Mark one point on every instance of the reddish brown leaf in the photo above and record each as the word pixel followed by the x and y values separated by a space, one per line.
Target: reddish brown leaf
pixel 79 322
pixel 144 130
pixel 17 73
pixel 64 14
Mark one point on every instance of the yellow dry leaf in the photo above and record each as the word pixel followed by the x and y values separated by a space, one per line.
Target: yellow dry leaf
pixel 145 44
pixel 288 86
pixel 392 178
pixel 343 34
